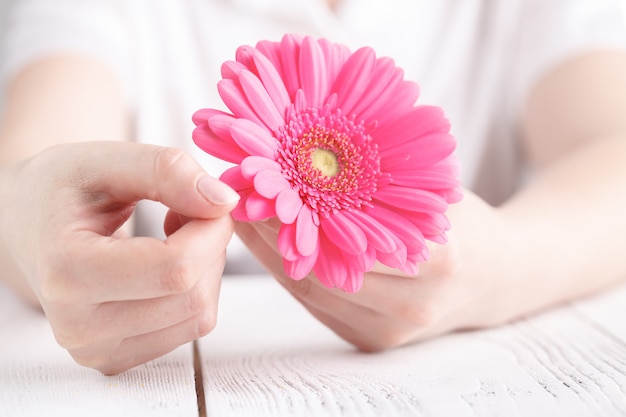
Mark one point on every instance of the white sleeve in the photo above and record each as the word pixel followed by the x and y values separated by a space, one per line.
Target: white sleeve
pixel 553 31
pixel 40 28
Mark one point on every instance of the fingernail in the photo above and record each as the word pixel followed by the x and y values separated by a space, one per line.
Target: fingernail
pixel 216 192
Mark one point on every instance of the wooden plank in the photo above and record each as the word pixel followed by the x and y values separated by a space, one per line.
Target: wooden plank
pixel 268 357
pixel 38 378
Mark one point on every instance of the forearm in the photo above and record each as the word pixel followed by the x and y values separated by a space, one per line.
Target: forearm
pixel 568 225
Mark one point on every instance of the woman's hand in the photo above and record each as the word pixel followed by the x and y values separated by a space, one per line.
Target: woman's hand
pixel 464 284
pixel 114 301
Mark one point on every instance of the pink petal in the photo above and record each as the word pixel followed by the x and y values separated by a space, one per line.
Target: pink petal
pixel 289 52
pixel 392 102
pixel 253 139
pixel 252 165
pixel 271 50
pixel 378 236
pixel 307 233
pixel 287 242
pixel 344 233
pixel 239 213
pixel 395 259
pixel 260 100
pixel 202 116
pixel 386 75
pixel 352 81
pixel 235 99
pixel 232 176
pixel 270 183
pixel 424 179
pixel 313 75
pixel 411 199
pixel 301 267
pixel 243 55
pixel 212 144
pixel 418 122
pixel 335 56
pixel 421 151
pixel 288 205
pixel 402 228
pixel 259 207
pixel 231 69
pixel 330 268
pixel 273 82
pixel 353 281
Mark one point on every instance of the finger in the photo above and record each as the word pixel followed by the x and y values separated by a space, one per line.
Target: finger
pixel 107 269
pixel 123 319
pixel 138 350
pixel 131 172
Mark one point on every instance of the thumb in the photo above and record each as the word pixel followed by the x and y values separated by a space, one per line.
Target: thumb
pixel 130 172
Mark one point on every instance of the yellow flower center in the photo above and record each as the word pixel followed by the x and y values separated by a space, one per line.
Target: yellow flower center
pixel 325 161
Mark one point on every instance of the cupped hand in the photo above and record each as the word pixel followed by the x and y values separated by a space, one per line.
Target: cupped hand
pixel 115 301
pixel 464 284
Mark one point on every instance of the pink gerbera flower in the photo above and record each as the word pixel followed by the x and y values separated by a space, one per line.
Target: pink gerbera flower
pixel 332 144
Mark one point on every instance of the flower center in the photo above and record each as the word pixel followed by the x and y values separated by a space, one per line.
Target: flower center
pixel 325 161
pixel 329 159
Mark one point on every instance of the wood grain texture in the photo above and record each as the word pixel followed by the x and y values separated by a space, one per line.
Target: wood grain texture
pixel 268 357
pixel 38 378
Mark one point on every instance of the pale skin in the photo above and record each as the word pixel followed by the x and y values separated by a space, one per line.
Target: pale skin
pixel 115 301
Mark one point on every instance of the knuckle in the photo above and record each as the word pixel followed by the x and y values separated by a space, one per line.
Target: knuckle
pixel 206 323
pixel 199 299
pixel 168 160
pixel 178 278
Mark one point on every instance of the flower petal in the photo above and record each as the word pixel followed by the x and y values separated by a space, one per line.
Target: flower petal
pixel 287 242
pixel 411 199
pixel 420 151
pixel 231 69
pixel 271 79
pixel 290 51
pixel 271 50
pixel 330 268
pixel 353 281
pixel 344 233
pixel 392 102
pixel 378 236
pixel 233 177
pixel 402 228
pixel 313 74
pixel 235 99
pixel 270 183
pixel 335 56
pixel 260 100
pixel 212 144
pixel 259 207
pixel 252 165
pixel 353 79
pixel 252 138
pixel 288 205
pixel 301 267
pixel 418 122
pixel 307 233
pixel 385 76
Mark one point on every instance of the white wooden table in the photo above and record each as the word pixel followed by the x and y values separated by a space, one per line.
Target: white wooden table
pixel 268 357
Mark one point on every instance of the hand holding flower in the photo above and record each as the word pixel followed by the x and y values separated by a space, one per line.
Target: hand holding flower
pixel 462 285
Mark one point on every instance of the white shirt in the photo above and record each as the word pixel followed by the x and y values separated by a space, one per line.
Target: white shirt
pixel 476 59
